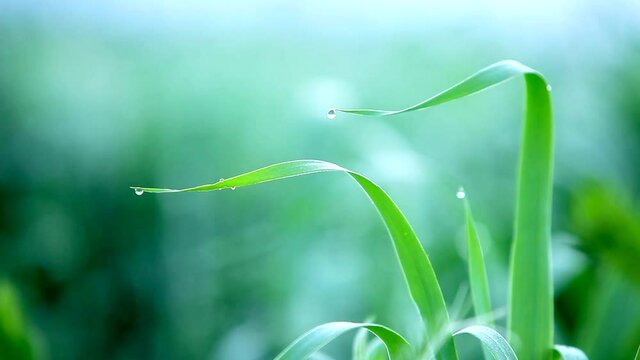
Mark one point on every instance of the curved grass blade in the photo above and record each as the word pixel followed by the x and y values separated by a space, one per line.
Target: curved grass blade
pixel 477 273
pixel 359 349
pixel 312 341
pixel 491 340
pixel 531 293
pixel 416 267
pixel 376 350
pixel 562 352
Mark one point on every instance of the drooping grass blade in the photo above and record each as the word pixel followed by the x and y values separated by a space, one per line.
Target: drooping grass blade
pixel 491 340
pixel 316 338
pixel 477 273
pixel 562 352
pixel 531 293
pixel 416 267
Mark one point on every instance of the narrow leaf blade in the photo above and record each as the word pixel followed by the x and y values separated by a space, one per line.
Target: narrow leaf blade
pixel 312 341
pixel 564 352
pixel 477 273
pixel 416 267
pixel 491 340
pixel 477 269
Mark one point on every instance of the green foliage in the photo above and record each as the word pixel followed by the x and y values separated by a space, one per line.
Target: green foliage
pixel 491 340
pixel 568 353
pixel 16 342
pixel 416 267
pixel 316 338
pixel 606 222
pixel 530 297
pixel 531 293
pixel 477 272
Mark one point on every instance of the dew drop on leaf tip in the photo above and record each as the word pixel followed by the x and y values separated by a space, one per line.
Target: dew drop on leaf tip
pixel 138 191
pixel 331 114
pixel 460 194
pixel 548 87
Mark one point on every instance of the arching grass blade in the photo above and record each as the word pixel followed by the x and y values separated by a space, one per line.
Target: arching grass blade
pixel 416 267
pixel 562 352
pixel 491 340
pixel 531 293
pixel 316 338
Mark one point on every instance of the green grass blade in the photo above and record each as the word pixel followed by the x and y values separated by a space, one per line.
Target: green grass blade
pixel 312 341
pixel 477 273
pixel 483 79
pixel 562 352
pixel 491 340
pixel 477 269
pixel 376 350
pixel 637 357
pixel 16 340
pixel 416 267
pixel 359 350
pixel 531 293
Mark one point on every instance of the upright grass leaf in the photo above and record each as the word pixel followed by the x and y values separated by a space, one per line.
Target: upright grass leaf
pixel 477 269
pixel 316 338
pixel 416 267
pixel 477 273
pixel 562 352
pixel 491 340
pixel 637 357
pixel 531 293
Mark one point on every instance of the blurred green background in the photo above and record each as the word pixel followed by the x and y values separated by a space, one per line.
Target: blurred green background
pixel 95 97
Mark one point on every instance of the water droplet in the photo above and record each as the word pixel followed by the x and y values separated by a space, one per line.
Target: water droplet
pixel 548 87
pixel 138 191
pixel 331 114
pixel 221 179
pixel 233 188
pixel 460 194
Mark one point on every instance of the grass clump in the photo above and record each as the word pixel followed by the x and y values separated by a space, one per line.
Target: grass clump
pixel 530 313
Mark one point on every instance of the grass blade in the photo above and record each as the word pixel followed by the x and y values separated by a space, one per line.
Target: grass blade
pixel 16 339
pixel 477 273
pixel 477 269
pixel 359 350
pixel 563 352
pixel 312 341
pixel 376 351
pixel 531 293
pixel 416 267
pixel 491 340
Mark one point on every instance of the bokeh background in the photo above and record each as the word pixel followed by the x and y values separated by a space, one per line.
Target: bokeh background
pixel 98 96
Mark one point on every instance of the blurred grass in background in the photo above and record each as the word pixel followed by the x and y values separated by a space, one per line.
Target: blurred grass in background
pixel 96 97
